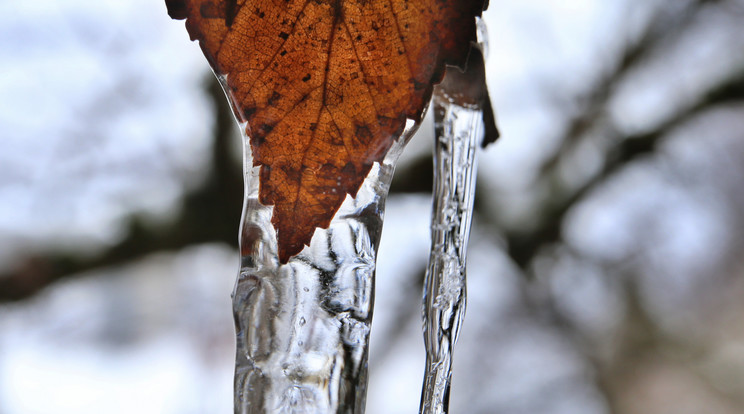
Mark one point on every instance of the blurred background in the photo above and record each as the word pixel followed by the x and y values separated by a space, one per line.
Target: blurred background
pixel 606 273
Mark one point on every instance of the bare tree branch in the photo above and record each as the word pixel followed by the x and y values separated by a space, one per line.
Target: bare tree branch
pixel 210 213
pixel 524 245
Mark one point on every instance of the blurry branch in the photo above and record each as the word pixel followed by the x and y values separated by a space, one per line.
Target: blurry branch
pixel 415 177
pixel 642 349
pixel 210 213
pixel 593 104
pixel 523 246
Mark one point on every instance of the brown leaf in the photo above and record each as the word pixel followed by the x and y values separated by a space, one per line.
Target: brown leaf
pixel 325 87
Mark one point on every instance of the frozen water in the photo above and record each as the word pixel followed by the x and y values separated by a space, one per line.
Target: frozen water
pixel 457 130
pixel 303 327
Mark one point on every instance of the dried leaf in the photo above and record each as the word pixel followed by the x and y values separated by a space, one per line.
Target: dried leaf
pixel 325 87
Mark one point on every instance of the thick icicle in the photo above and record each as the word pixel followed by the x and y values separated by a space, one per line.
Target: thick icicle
pixel 303 327
pixel 458 129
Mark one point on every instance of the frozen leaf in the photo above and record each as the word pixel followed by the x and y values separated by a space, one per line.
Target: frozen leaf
pixel 325 87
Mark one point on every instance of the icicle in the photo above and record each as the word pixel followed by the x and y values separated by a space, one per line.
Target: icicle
pixel 457 130
pixel 303 327
pixel 460 103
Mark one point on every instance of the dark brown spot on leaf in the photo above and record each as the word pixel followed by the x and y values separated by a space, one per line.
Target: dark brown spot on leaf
pixel 363 134
pixel 248 111
pixel 231 9
pixel 274 98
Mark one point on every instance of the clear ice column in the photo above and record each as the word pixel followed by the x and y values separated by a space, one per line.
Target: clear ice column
pixel 458 128
pixel 303 327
